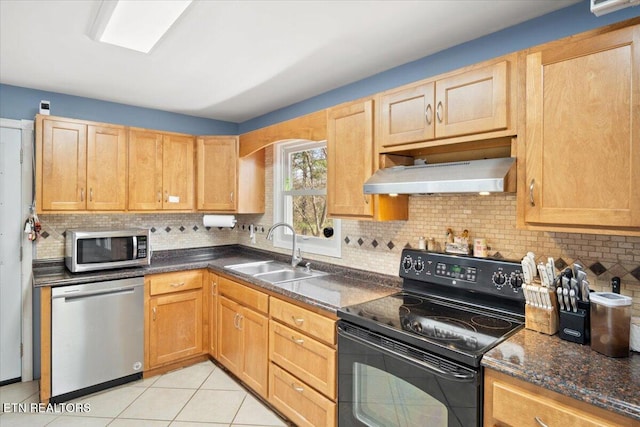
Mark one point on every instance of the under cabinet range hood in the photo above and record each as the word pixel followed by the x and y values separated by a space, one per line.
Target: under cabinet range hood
pixel 473 176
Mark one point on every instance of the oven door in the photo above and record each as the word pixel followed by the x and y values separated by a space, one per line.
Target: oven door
pixel 382 382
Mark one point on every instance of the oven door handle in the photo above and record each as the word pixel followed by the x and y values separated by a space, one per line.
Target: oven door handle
pixel 452 376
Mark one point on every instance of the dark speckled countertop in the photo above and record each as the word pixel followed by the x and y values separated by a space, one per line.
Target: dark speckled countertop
pixel 570 369
pixel 340 288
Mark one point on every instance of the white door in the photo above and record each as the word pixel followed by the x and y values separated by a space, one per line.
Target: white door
pixel 10 265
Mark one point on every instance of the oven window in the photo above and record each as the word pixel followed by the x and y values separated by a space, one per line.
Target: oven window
pixel 97 250
pixel 381 399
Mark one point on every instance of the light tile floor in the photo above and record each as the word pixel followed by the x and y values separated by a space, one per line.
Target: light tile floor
pixel 198 396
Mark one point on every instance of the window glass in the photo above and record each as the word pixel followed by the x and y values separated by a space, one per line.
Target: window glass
pixel 300 197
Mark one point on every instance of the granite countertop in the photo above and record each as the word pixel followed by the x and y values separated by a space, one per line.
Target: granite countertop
pixel 570 369
pixel 341 287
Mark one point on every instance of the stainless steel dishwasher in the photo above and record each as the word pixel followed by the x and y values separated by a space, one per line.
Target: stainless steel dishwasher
pixel 97 336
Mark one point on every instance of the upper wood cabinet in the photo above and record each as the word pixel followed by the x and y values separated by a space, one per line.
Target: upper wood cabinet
pixel 79 165
pixel 475 101
pixel 583 134
pixel 161 171
pixel 220 187
pixel 351 161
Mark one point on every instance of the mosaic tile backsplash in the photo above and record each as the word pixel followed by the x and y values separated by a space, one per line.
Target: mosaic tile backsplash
pixel 376 246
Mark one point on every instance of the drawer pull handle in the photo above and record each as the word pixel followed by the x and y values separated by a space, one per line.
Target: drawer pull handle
pixel 539 421
pixel 531 201
pixel 297 320
pixel 177 285
pixel 297 388
pixel 439 111
pixel 428 114
pixel 297 340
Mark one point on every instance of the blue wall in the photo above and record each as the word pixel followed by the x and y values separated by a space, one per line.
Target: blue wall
pixel 565 22
pixel 22 103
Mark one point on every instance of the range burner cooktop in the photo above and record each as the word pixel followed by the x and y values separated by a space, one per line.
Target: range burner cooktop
pixel 458 307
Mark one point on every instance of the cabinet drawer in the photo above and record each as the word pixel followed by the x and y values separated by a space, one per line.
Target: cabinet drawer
pixel 300 403
pixel 514 406
pixel 244 295
pixel 175 282
pixel 308 359
pixel 316 325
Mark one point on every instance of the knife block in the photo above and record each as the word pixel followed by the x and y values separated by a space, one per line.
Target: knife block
pixel 574 327
pixel 543 320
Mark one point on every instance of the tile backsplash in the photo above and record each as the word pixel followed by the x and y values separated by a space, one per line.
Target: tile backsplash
pixel 376 246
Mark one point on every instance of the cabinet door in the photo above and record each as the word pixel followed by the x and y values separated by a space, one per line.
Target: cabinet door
pixel 178 157
pixel 217 168
pixel 229 335
pixel 473 102
pixel 64 166
pixel 213 315
pixel 106 168
pixel 255 332
pixel 407 115
pixel 176 327
pixel 145 170
pixel 350 159
pixel 583 132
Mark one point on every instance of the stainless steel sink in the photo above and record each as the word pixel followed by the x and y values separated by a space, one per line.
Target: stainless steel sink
pixel 274 272
pixel 259 267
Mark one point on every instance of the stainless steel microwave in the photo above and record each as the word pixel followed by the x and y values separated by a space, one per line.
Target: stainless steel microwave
pixel 89 250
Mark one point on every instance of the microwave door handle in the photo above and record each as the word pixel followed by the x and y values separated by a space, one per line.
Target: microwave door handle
pixel 135 247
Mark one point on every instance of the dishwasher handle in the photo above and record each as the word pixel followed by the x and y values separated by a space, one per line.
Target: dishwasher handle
pixel 85 295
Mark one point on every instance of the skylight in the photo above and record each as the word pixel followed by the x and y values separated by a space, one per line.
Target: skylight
pixel 136 24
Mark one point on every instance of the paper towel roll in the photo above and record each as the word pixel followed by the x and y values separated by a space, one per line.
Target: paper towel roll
pixel 219 220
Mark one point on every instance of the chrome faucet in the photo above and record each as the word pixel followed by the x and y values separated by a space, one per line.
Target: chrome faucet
pixel 296 258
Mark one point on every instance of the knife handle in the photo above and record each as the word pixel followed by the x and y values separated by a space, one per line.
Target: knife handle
pixel 559 294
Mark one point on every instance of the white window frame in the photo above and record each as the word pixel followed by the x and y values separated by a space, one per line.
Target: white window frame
pixel 282 236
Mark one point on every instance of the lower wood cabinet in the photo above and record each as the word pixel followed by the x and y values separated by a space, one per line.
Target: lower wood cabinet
pixel 211 324
pixel 174 317
pixel 302 370
pixel 243 333
pixel 299 402
pixel 512 402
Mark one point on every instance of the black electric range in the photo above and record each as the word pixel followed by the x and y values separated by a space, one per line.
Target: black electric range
pixel 456 306
pixel 413 358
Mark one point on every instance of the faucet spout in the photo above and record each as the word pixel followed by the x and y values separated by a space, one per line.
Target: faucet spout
pixel 296 257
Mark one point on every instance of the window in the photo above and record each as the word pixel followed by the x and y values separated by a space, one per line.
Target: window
pixel 300 198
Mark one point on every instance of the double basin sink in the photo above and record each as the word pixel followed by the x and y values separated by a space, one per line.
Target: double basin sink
pixel 274 272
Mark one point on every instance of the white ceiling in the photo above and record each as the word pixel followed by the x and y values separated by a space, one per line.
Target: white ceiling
pixel 235 60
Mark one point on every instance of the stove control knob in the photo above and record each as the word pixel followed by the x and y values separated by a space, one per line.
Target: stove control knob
pixel 418 265
pixel 417 327
pixel 499 279
pixel 515 281
pixel 407 263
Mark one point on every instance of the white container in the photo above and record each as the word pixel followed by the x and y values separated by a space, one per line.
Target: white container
pixel 634 339
pixel 610 323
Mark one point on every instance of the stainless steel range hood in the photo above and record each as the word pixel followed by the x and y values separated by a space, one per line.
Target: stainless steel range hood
pixel 474 176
